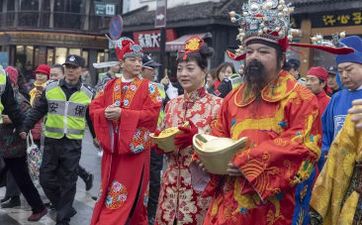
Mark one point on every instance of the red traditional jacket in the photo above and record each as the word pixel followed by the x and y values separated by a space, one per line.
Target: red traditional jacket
pixel 178 199
pixel 283 129
pixel 126 145
pixel 323 100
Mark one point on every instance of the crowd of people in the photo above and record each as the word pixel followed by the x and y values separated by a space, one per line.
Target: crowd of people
pixel 302 164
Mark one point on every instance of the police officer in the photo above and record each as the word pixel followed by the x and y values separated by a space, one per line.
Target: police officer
pixel 65 103
pixel 18 166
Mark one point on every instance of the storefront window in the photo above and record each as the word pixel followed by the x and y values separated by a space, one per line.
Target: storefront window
pixel 40 55
pixel 30 5
pixel 50 56
pixel 85 54
pixel 36 60
pixel 11 5
pixel 20 49
pixel 74 51
pixel 29 50
pixel 68 10
pixel 100 57
pixel 60 55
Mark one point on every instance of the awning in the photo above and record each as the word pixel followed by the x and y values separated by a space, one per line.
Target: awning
pixel 177 44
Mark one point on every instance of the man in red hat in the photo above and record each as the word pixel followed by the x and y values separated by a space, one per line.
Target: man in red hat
pixel 316 81
pixel 270 181
pixel 124 114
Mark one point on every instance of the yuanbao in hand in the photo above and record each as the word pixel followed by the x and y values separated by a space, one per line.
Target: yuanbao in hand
pixel 165 140
pixel 215 153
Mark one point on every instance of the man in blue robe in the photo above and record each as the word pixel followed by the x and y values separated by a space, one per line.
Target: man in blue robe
pixel 350 71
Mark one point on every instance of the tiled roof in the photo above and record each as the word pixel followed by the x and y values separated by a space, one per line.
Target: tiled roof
pixel 311 2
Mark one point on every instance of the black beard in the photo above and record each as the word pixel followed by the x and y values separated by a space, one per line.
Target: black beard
pixel 255 77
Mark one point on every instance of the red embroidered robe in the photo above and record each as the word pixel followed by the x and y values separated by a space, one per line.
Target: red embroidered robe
pixel 178 200
pixel 126 145
pixel 283 128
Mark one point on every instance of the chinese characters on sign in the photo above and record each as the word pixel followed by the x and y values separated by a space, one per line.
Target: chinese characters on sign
pixel 342 18
pixel 151 40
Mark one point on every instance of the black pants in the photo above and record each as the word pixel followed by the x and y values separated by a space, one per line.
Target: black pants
pixel 58 174
pixel 82 173
pixel 12 188
pixel 155 177
pixel 19 169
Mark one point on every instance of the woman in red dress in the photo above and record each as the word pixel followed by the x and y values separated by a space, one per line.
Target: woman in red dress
pixel 179 202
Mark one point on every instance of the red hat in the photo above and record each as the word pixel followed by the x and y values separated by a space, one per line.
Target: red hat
pixel 43 69
pixel 126 47
pixel 319 72
pixel 13 74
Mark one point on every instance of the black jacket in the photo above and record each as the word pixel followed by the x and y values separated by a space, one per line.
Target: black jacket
pixel 11 106
pixel 41 107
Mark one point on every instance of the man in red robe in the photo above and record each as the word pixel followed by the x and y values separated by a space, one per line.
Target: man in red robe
pixel 124 115
pixel 316 81
pixel 269 183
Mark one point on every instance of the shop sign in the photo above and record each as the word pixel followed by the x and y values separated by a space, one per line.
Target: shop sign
pixel 103 9
pixel 160 15
pixel 339 18
pixel 151 40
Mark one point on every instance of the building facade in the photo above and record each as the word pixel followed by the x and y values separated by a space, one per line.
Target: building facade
pixel 130 5
pixel 325 17
pixel 207 19
pixel 34 32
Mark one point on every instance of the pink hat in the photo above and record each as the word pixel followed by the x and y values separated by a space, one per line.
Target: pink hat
pixel 13 74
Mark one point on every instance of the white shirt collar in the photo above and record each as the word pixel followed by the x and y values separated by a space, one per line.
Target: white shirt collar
pixel 124 80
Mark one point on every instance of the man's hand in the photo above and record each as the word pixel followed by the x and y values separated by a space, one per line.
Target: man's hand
pixel 356 112
pixel 233 171
pixel 6 119
pixel 23 135
pixel 112 112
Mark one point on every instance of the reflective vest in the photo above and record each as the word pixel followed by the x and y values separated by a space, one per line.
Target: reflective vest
pixel 161 89
pixel 66 117
pixel 2 89
pixel 236 80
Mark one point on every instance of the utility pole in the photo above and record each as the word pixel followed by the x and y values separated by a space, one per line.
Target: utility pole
pixel 160 22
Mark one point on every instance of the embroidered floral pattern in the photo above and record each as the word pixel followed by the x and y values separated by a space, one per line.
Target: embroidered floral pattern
pixel 178 200
pixel 155 94
pixel 273 160
pixel 126 94
pixel 141 140
pixel 117 195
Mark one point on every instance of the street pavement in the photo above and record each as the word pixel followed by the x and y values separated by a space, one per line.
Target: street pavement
pixel 84 201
